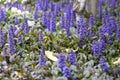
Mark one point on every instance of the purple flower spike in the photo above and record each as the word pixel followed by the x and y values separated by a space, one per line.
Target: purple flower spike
pixel 5 52
pixel 57 8
pixel 51 5
pixel 100 9
pixel 2 15
pixel 72 57
pixel 1 37
pixel 62 23
pixel 118 32
pixel 52 24
pixel 42 60
pixel 35 15
pixel 41 37
pixel 67 72
pixel 44 19
pixel 25 26
pixel 111 3
pixel 81 27
pixel 16 21
pixel 91 20
pixel 11 41
pixel 104 64
pixel 95 48
pixel 19 38
pixel 61 60
pixel 101 45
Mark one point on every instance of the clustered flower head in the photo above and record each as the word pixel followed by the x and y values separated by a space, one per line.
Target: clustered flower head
pixel 98 47
pixel 108 27
pixel 42 4
pixel 67 72
pixel 14 4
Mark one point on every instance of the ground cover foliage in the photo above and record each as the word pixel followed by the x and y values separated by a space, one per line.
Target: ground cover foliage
pixel 42 40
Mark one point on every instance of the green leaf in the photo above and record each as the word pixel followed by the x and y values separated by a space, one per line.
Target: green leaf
pixel 1 58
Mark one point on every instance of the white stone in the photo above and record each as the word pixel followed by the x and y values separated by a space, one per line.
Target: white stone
pixel 31 23
pixel 13 9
